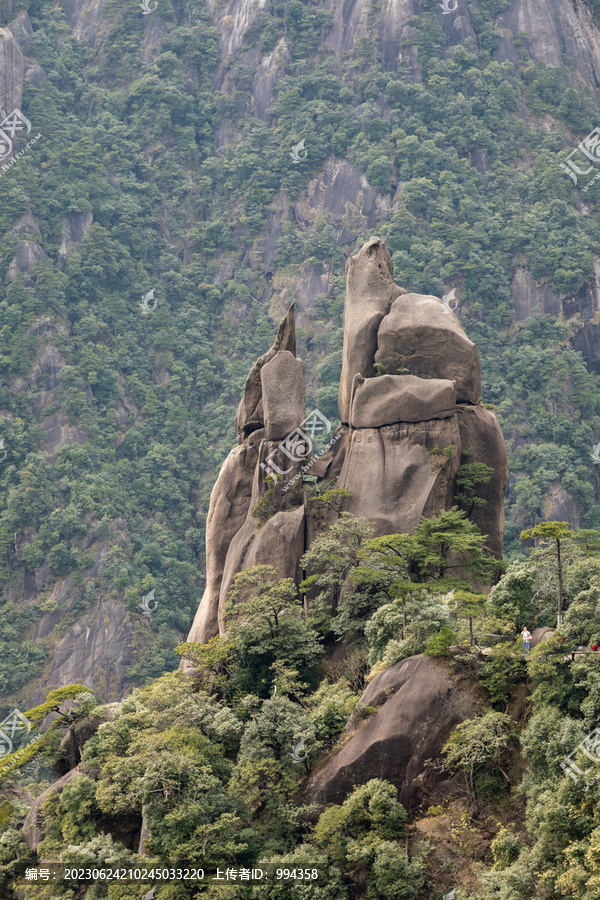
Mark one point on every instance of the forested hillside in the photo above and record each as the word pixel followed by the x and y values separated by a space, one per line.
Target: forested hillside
pixel 165 165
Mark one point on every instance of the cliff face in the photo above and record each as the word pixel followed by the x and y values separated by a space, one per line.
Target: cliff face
pixel 388 451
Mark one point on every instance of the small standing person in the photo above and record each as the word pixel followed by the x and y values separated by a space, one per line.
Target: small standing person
pixel 526 637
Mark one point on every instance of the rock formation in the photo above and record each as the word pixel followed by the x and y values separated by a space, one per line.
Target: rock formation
pixel 409 403
pixel 418 705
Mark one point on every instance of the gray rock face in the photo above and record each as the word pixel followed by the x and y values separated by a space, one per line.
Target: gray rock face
pixel 370 292
pixel 95 651
pixel 339 184
pixel 26 227
pixel 529 297
pixel 422 336
pixel 554 29
pixel 32 829
pixel 419 705
pixel 85 18
pixel 75 228
pixel 560 506
pixel 268 73
pixel 282 382
pixel 22 31
pixel 400 398
pixel 11 73
pixel 27 255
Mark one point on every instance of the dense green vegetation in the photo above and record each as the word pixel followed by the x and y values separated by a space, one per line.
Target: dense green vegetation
pixel 216 764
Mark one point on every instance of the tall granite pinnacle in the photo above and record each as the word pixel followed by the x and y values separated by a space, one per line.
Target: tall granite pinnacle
pixel 410 388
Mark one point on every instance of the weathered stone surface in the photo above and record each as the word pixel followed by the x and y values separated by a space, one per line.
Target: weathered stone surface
pixel 560 506
pixel 370 292
pixel 481 435
pixel 75 228
pixel 27 255
pixel 282 380
pixel 339 185
pixel 96 651
pixel 229 503
pixel 35 75
pixel 253 545
pixel 233 19
pixel 268 73
pixel 280 543
pixel 22 30
pixel 11 73
pixel 395 476
pixel 530 298
pixel 32 828
pixel 422 336
pixel 553 30
pixel 539 635
pixel 26 226
pixel 249 416
pixel 420 706
pixel 400 398
pixel 85 17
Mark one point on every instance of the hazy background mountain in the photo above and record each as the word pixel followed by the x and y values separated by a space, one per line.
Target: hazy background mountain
pixel 165 164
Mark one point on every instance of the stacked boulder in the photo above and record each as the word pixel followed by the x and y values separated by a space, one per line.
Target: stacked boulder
pixel 410 411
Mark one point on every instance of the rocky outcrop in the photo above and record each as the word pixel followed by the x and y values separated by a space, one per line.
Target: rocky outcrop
pixel 397 473
pixel 96 651
pixel 271 408
pixel 530 298
pixel 418 706
pixel 33 834
pixel 27 255
pixel 423 337
pixel 250 416
pixel 402 439
pixel 75 228
pixel 22 30
pixel 11 73
pixel 370 292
